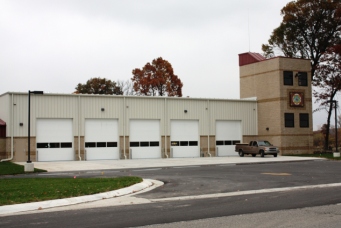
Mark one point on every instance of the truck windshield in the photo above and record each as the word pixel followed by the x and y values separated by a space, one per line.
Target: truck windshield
pixel 264 143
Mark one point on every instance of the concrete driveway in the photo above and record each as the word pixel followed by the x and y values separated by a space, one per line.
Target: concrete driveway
pixel 158 163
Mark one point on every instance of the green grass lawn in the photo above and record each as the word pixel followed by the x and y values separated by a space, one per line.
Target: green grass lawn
pixel 24 190
pixel 322 155
pixel 10 168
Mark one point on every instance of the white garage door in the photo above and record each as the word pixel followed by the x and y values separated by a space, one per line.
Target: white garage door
pixel 228 133
pixel 55 140
pixel 185 138
pixel 101 139
pixel 145 139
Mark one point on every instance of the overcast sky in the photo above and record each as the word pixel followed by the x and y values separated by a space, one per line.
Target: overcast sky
pixel 52 45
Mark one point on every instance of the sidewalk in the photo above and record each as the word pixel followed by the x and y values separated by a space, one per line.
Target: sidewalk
pixel 159 163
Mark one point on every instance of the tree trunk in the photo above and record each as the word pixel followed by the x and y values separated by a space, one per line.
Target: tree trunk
pixel 326 142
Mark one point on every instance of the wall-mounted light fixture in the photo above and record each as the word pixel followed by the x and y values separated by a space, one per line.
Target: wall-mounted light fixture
pixel 102 109
pixel 21 124
pixel 185 111
pixel 267 128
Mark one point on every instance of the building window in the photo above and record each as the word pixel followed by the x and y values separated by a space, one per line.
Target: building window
pixel 288 78
pixel 304 120
pixel 302 79
pixel 289 119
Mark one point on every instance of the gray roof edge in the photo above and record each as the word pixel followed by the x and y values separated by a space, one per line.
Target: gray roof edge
pixel 138 97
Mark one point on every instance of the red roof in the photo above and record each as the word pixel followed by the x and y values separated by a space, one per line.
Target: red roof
pixel 2 122
pixel 249 57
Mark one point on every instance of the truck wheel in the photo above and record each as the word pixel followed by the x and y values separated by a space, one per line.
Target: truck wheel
pixel 241 153
pixel 253 155
pixel 275 155
pixel 262 153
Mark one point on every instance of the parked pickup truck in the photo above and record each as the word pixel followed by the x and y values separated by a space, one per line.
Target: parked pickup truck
pixel 261 147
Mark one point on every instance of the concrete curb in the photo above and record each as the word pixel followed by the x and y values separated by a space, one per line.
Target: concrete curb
pixel 8 209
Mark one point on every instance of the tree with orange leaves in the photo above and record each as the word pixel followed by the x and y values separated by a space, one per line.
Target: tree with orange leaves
pixel 157 79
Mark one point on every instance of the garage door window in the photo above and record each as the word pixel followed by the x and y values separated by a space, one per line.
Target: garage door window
pixel 154 143
pixel 66 145
pixel 219 143
pixel 111 144
pixel 54 145
pixel 193 143
pixel 134 144
pixel 90 144
pixel 144 144
pixel 226 142
pixel 175 143
pixel 100 144
pixel 184 143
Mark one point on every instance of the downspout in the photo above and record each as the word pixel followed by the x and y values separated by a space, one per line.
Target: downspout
pixel 79 133
pixel 209 127
pixel 124 130
pixel 12 132
pixel 166 128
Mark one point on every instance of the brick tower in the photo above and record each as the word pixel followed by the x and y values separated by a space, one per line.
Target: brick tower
pixel 282 87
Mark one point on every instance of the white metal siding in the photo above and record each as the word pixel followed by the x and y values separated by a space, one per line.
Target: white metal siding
pixel 81 107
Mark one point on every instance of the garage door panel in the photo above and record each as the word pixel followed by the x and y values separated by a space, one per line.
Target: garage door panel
pixel 54 140
pixel 60 130
pixel 145 152
pixel 228 133
pixel 55 154
pixel 185 152
pixel 144 130
pixel 184 130
pixel 101 129
pixel 101 154
pixel 101 139
pixel 185 138
pixel 145 139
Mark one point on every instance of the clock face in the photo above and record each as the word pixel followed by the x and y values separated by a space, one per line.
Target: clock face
pixel 296 99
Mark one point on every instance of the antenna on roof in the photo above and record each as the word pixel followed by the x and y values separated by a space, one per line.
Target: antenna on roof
pixel 248 26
